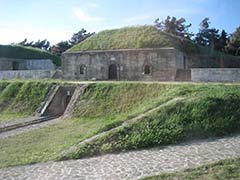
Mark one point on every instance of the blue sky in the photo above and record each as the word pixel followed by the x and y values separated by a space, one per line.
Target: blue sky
pixel 57 20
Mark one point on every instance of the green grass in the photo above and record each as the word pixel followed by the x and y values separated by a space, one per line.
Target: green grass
pixel 21 52
pixel 136 37
pixel 133 38
pixel 223 170
pixel 106 105
pixel 206 111
pixel 8 117
pixel 101 111
pixel 21 99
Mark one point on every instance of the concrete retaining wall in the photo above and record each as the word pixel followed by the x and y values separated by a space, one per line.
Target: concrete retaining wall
pixel 26 64
pixel 28 74
pixel 215 75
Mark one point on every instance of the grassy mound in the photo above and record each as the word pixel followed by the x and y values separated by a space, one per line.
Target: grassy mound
pixel 226 169
pixel 104 106
pixel 133 38
pixel 20 99
pixel 21 52
pixel 204 112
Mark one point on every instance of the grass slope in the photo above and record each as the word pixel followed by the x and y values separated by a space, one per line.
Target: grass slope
pixel 21 52
pixel 133 38
pixel 142 37
pixel 104 106
pixel 222 170
pixel 20 99
pixel 206 111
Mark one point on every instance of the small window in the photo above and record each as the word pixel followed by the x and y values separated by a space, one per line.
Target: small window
pixel 184 62
pixel 15 66
pixel 147 70
pixel 82 69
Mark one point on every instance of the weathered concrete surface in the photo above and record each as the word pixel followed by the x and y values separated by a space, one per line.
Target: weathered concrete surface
pixel 58 102
pixel 215 75
pixel 26 74
pixel 26 64
pixel 131 165
pixel 77 94
pixel 130 64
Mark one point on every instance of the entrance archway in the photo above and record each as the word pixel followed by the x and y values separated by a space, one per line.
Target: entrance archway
pixel 113 72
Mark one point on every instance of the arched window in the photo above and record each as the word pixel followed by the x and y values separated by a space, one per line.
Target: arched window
pixel 147 70
pixel 82 69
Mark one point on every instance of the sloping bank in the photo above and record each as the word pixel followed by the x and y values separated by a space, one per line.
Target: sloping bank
pixel 205 111
pixel 201 111
pixel 21 99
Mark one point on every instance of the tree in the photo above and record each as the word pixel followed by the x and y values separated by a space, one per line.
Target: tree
pixel 44 44
pixel 222 41
pixel 76 38
pixel 80 36
pixel 233 45
pixel 174 26
pixel 60 47
pixel 207 36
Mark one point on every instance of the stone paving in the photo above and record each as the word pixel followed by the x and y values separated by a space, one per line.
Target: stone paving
pixel 131 165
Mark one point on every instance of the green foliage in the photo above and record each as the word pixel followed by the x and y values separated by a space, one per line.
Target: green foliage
pixel 174 26
pixel 205 112
pixel 107 105
pixel 119 101
pixel 22 98
pixel 80 36
pixel 21 52
pixel 233 46
pixel 224 170
pixel 41 44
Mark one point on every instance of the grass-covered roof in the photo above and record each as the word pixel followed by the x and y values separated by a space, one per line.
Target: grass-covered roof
pixel 22 52
pixel 132 38
pixel 137 37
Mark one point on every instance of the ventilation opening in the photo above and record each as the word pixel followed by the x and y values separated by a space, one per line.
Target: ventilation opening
pixel 147 70
pixel 82 69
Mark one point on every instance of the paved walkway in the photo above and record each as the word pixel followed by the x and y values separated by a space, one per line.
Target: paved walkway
pixel 131 165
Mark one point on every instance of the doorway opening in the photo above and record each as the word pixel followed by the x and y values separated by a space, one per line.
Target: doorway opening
pixel 113 72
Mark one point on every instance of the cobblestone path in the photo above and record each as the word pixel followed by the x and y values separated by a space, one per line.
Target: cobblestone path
pixel 131 165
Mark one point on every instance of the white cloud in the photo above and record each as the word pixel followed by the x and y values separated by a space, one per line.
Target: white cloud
pixel 86 18
pixel 137 18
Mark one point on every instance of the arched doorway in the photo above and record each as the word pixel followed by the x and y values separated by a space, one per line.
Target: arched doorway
pixel 112 72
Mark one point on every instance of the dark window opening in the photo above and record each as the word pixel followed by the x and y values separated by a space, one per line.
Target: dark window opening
pixel 147 70
pixel 82 69
pixel 184 62
pixel 15 66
